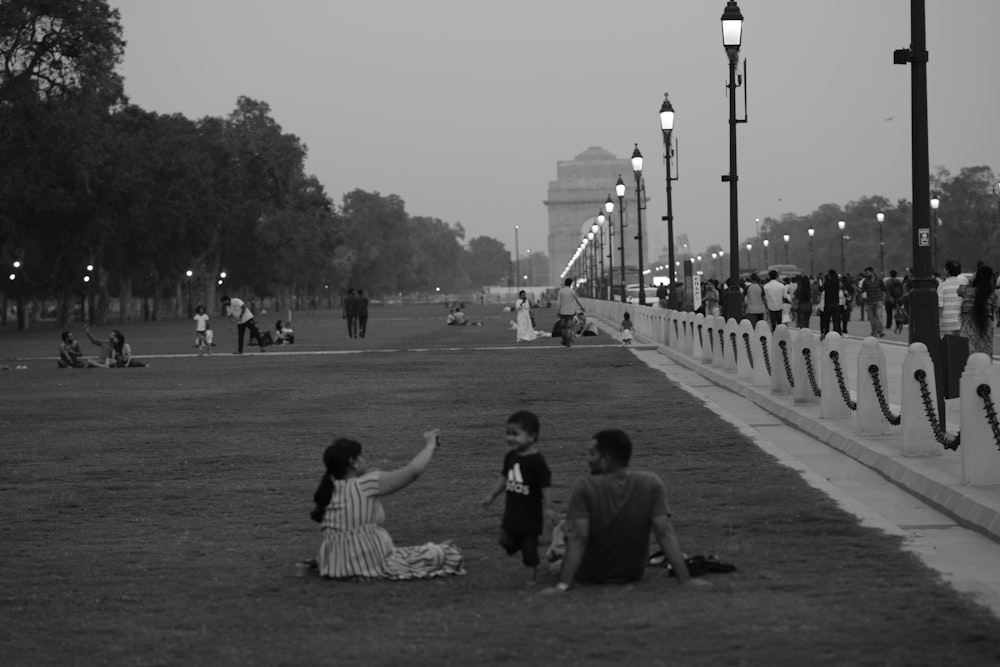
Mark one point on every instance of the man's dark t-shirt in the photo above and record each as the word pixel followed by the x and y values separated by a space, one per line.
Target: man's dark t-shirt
pixel 620 508
pixel 527 476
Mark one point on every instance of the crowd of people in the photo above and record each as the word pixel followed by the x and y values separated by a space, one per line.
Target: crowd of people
pixel 612 513
pixel 967 306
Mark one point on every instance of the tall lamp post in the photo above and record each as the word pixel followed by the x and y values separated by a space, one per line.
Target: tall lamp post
pixel 620 191
pixel 187 282
pixel 880 217
pixel 765 243
pixel 750 256
pixel 601 223
pixel 609 207
pixel 786 237
pixel 595 229
pixel 812 264
pixel 640 203
pixel 667 128
pixel 593 262
pixel 517 260
pixel 732 35
pixel 843 261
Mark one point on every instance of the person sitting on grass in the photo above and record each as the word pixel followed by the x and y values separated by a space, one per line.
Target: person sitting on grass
pixel 283 334
pixel 106 357
pixel 70 355
pixel 611 515
pixel 348 505
pixel 123 352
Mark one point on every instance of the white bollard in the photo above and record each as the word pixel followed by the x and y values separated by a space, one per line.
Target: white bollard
pixel 699 342
pixel 832 404
pixel 718 354
pixel 732 332
pixel 779 376
pixel 871 420
pixel 687 343
pixel 980 454
pixel 806 345
pixel 744 338
pixel 761 341
pixel 673 327
pixel 918 435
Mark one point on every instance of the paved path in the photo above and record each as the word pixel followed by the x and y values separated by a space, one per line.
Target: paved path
pixel 919 499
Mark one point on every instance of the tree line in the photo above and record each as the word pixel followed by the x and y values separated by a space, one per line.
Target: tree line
pixel 101 198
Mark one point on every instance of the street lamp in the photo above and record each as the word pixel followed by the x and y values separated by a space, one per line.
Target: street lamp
pixel 640 203
pixel 786 237
pixel 620 191
pixel 880 216
pixel 609 207
pixel 189 273
pixel 765 242
pixel 750 256
pixel 667 128
pixel 843 264
pixel 732 36
pixel 530 275
pixel 591 236
pixel 517 260
pixel 812 265
pixel 935 241
pixel 715 266
pixel 601 219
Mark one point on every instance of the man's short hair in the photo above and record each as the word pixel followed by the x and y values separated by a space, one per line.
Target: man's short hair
pixel 754 278
pixel 772 274
pixel 568 282
pixel 952 267
pixel 615 444
pixel 528 422
pixel 66 335
pixel 893 273
pixel 225 298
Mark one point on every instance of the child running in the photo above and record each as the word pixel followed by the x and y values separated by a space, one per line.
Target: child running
pixel 201 340
pixel 626 329
pixel 525 477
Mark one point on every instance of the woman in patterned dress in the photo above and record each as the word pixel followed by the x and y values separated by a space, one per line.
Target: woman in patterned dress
pixel 979 301
pixel 355 545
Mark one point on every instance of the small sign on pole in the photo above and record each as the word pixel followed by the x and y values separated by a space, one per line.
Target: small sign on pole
pixel 924 237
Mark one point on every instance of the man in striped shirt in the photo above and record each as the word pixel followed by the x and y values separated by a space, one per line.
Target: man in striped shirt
pixel 874 301
pixel 949 303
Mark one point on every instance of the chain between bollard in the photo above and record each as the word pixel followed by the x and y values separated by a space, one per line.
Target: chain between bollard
pixel 711 339
pixel 810 371
pixel 788 366
pixel 676 331
pixel 939 433
pixel 873 371
pixel 722 342
pixel 983 391
pixel 767 355
pixel 839 372
pixel 701 340
pixel 746 344
pixel 732 340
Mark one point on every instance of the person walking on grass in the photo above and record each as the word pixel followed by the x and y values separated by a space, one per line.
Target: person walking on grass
pixel 526 478
pixel 362 313
pixel 241 315
pixel 567 306
pixel 201 330
pixel 351 313
pixel 611 514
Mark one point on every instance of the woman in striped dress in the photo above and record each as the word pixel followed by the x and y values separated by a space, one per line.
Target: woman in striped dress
pixel 355 545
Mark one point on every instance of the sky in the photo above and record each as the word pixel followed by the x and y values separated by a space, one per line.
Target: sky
pixel 464 107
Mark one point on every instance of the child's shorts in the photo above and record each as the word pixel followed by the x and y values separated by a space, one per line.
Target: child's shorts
pixel 527 544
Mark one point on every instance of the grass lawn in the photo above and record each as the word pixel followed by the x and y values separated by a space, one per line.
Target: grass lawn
pixel 152 516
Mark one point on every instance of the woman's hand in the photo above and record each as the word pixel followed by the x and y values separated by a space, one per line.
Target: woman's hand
pixel 432 437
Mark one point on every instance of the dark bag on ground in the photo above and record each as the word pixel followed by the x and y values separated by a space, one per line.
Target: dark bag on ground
pixel 696 565
pixel 954 355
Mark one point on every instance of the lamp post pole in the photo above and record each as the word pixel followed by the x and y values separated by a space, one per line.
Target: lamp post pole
pixel 640 203
pixel 188 284
pixel 765 243
pixel 786 237
pixel 935 230
pixel 880 217
pixel 517 260
pixel 732 34
pixel 843 261
pixel 812 264
pixel 620 191
pixel 750 256
pixel 609 207
pixel 667 128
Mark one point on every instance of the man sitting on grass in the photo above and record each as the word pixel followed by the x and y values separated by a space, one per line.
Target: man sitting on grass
pixel 70 355
pixel 610 517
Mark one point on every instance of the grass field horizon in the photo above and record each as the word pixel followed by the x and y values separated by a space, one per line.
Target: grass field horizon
pixel 153 516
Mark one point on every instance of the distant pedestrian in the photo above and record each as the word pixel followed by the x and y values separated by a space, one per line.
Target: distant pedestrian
pixel 243 317
pixel 351 313
pixel 978 304
pixel 201 330
pixel 362 313
pixel 567 306
pixel 774 297
pixel 753 300
pixel 949 302
pixel 626 329
pixel 832 304
pixel 871 285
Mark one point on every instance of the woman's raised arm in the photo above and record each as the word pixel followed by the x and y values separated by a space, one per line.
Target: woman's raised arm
pixel 394 480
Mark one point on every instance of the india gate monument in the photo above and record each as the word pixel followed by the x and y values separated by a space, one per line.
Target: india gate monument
pixel 579 192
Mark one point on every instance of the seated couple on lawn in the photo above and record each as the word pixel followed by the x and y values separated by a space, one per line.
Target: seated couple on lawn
pixel 114 352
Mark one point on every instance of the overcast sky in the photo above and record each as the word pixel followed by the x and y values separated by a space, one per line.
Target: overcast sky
pixel 463 107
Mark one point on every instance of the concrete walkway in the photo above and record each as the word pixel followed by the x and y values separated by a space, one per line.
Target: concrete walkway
pixel 955 529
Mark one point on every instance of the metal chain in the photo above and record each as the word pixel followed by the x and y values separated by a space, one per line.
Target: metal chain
pixel 711 340
pixel 839 372
pixel 732 339
pixel 895 420
pixel 722 342
pixel 939 433
pixel 701 340
pixel 746 343
pixel 788 366
pixel 991 411
pixel 810 371
pixel 767 355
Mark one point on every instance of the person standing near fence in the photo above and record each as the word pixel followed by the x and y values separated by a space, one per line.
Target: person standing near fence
pixel 871 285
pixel 976 311
pixel 949 302
pixel 833 304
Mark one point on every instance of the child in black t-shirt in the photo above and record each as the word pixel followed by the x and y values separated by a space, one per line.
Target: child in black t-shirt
pixel 525 477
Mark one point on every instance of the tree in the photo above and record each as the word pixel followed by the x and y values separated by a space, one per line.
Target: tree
pixel 488 262
pixel 437 256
